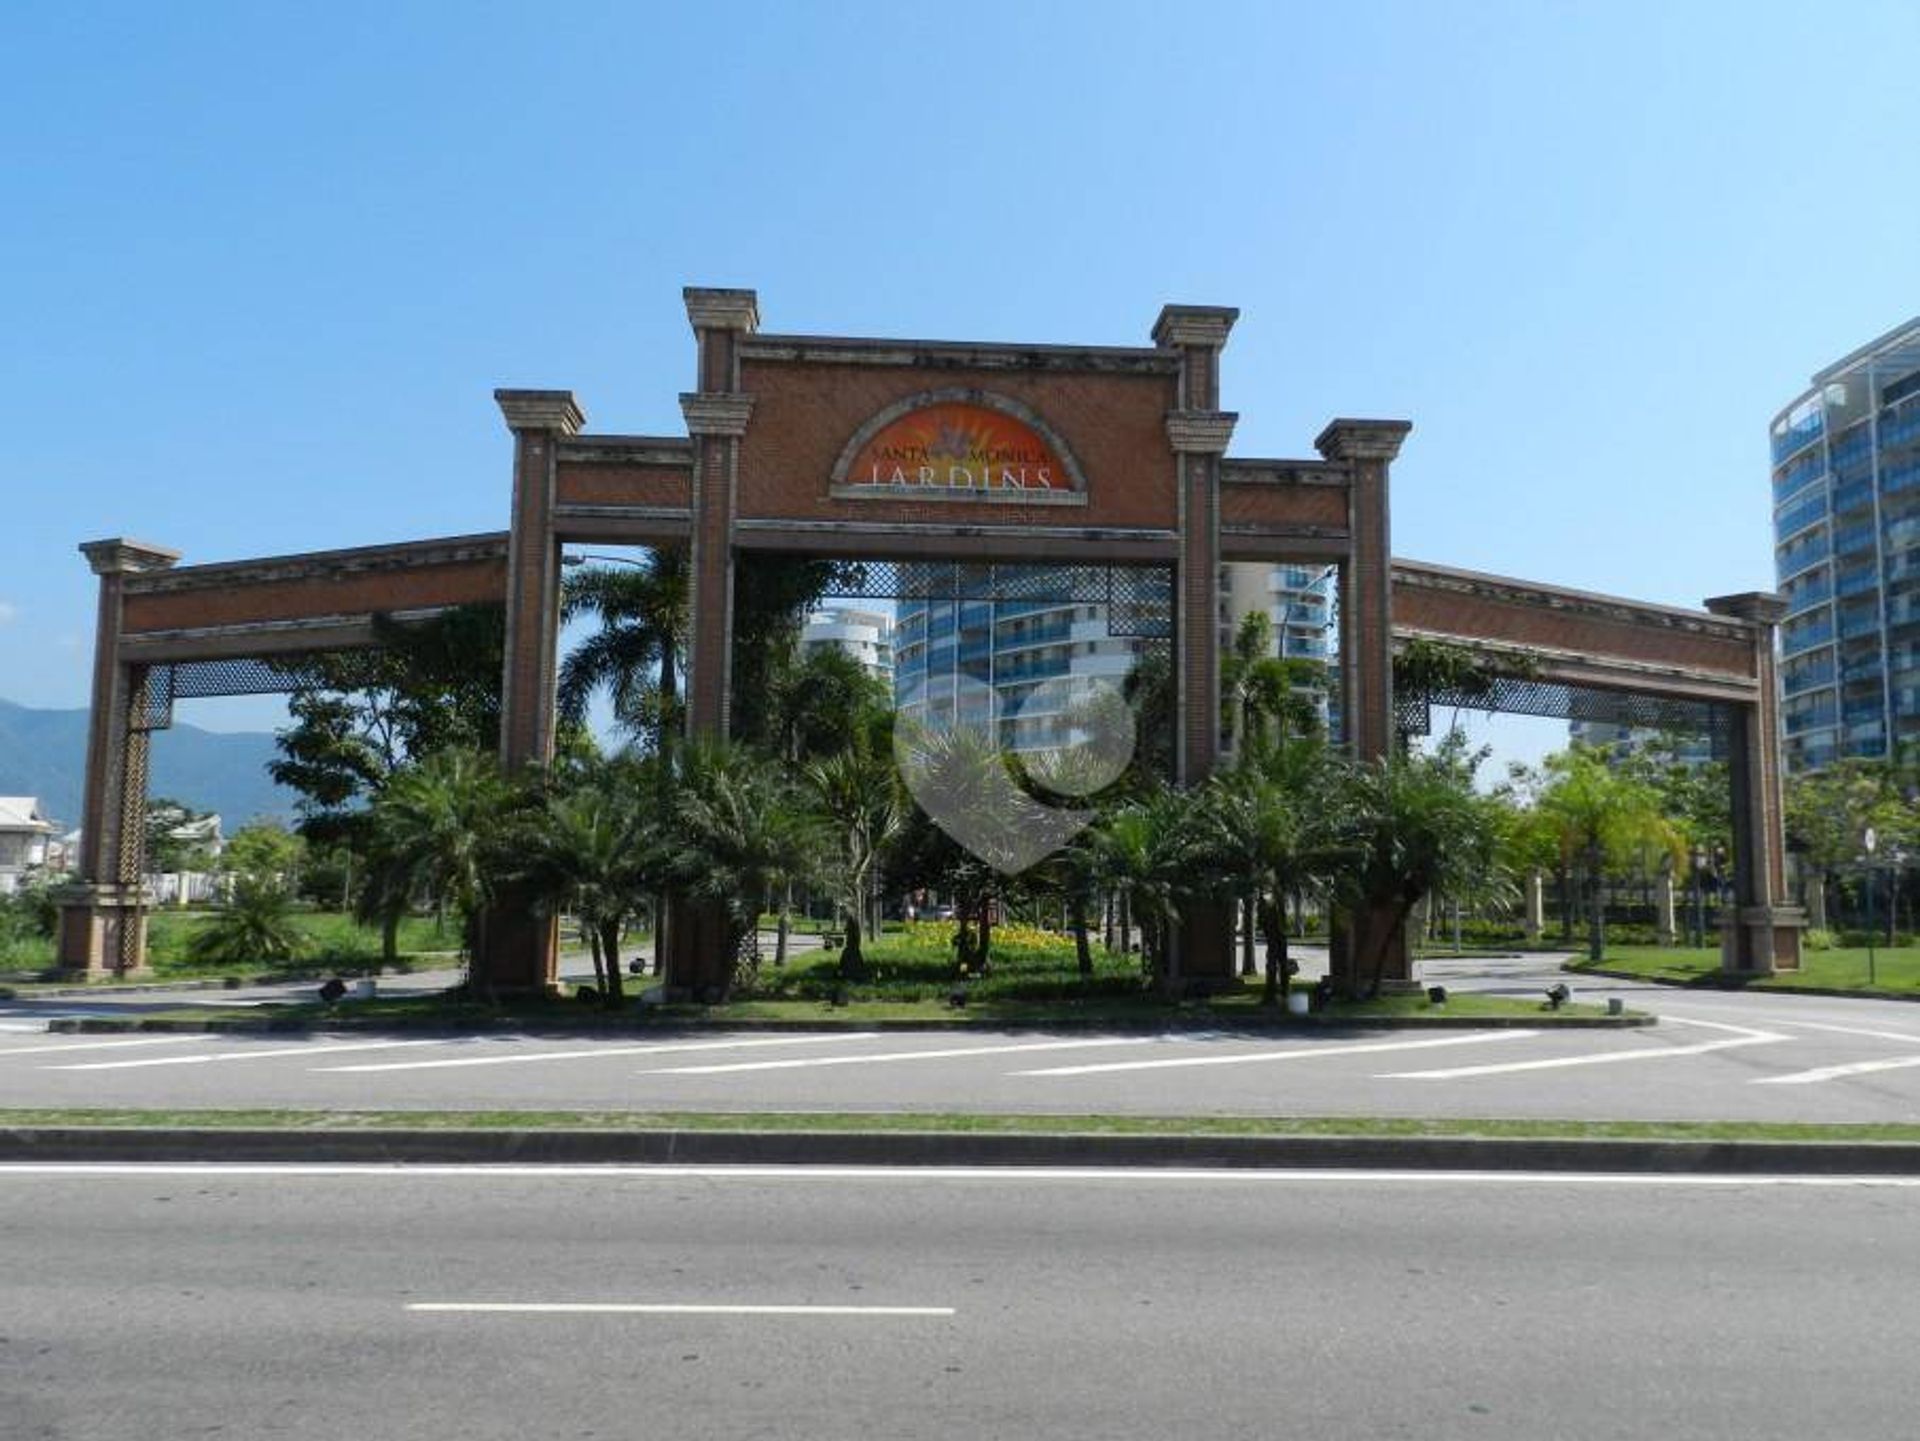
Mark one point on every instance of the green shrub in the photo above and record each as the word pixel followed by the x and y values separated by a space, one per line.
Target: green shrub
pixel 1817 940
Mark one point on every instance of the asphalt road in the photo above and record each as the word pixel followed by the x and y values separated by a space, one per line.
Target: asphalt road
pixel 206 1302
pixel 1713 1056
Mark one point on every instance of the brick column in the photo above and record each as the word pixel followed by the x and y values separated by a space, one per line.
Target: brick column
pixel 716 416
pixel 522 949
pixel 1763 934
pixel 1367 449
pixel 1199 431
pixel 103 924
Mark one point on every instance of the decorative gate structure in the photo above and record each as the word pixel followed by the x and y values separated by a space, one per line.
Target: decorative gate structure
pixel 925 456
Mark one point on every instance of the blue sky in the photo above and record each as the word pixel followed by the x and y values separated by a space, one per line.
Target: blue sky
pixel 262 266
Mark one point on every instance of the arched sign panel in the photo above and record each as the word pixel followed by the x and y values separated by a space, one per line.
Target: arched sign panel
pixel 979 447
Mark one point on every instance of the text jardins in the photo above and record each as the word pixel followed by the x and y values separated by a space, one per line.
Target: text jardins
pixel 1003 468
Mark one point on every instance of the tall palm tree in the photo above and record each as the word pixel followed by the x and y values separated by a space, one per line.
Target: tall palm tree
pixel 634 656
pixel 1147 854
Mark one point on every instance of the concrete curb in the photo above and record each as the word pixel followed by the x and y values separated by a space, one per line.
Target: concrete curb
pixel 526 1026
pixel 929 1148
pixel 1743 986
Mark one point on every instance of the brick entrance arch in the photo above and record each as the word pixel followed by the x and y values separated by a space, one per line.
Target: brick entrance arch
pixel 1133 442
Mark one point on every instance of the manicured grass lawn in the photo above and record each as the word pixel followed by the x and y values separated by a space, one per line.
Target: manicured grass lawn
pixel 1896 972
pixel 334 941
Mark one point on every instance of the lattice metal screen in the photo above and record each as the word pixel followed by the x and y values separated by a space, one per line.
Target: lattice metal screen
pixel 1556 700
pixel 201 679
pixel 1139 598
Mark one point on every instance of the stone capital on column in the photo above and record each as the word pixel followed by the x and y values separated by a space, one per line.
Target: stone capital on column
pixel 1362 439
pixel 554 410
pixel 124 557
pixel 1761 606
pixel 1204 432
pixel 709 309
pixel 1202 325
pixel 716 413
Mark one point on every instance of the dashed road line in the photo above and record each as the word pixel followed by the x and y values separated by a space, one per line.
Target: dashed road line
pixel 1296 1053
pixel 1835 1073
pixel 1747 1037
pixel 663 1308
pixel 874 1058
pixel 596 1053
pixel 285 1052
pixel 55 1050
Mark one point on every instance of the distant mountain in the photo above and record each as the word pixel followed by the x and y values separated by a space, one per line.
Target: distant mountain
pixel 43 753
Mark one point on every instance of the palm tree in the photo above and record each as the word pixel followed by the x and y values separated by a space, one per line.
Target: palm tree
pixel 857 795
pixel 438 830
pixel 1270 824
pixel 738 829
pixel 1602 815
pixel 1410 826
pixel 255 924
pixel 1147 854
pixel 642 610
pixel 592 849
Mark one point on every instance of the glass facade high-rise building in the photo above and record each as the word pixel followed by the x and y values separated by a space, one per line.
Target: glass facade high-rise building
pixel 1846 524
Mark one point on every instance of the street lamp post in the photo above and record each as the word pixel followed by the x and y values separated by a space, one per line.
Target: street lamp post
pixel 1870 842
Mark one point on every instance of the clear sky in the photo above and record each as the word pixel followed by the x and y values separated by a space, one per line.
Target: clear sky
pixel 261 266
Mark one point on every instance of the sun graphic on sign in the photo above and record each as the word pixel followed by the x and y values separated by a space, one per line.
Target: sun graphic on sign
pixel 957 446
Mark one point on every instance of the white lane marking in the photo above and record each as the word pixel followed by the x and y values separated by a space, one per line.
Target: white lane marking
pixel 1298 1053
pixel 1834 1073
pixel 1747 1037
pixel 617 1308
pixel 1017 1175
pixel 787 1065
pixel 57 1049
pixel 1906 1036
pixel 602 1052
pixel 286 1051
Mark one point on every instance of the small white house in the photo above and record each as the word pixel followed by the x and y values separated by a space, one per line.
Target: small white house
pixel 26 839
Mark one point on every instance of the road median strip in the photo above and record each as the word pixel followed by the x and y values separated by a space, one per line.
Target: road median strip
pixel 923 1141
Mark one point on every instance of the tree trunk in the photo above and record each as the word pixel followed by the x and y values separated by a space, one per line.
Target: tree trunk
pixel 1597 914
pixel 853 963
pixel 785 925
pixel 1564 879
pixel 390 937
pixel 1082 947
pixel 613 996
pixel 1248 907
pixel 593 949
pixel 1274 928
pixel 986 934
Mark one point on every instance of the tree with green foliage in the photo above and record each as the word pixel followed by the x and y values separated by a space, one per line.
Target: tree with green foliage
pixel 1413 826
pixel 1829 811
pixel 254 925
pixel 440 829
pixel 1270 826
pixel 265 850
pixel 1603 815
pixel 170 842
pixel 592 847
pixel 1148 853
pixel 738 829
pixel 635 656
pixel 858 798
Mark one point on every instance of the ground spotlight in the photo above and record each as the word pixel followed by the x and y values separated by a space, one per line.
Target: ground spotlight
pixel 1436 995
pixel 1558 995
pixel 332 989
pixel 957 997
